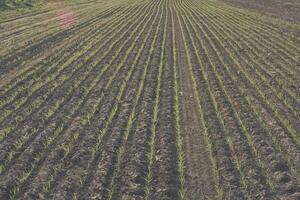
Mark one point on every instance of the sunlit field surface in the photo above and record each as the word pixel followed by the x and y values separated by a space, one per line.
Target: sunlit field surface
pixel 153 99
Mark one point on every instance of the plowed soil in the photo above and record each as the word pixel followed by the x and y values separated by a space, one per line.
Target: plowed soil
pixel 153 99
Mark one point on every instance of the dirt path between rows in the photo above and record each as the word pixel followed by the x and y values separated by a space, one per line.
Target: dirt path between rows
pixel 199 178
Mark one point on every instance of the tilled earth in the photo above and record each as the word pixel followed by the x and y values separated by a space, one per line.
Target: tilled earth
pixel 156 99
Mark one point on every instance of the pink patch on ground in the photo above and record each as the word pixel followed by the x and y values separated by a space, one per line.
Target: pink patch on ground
pixel 66 18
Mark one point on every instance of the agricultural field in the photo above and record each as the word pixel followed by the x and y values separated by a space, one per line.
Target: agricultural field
pixel 286 9
pixel 148 99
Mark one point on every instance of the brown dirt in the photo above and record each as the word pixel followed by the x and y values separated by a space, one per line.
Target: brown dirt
pixel 6 78
pixel 198 170
pixel 284 9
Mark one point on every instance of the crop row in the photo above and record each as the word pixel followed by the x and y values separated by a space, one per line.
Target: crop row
pixel 112 131
pixel 150 100
pixel 218 59
pixel 79 91
pixel 34 90
pixel 11 61
pixel 278 120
